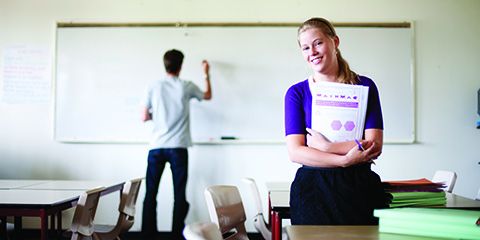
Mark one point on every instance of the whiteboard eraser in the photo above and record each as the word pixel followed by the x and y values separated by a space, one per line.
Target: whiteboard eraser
pixel 228 138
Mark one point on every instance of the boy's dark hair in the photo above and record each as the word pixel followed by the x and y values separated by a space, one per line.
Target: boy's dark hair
pixel 173 60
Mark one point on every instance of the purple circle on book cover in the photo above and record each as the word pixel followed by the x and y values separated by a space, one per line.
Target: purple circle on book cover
pixel 336 125
pixel 349 126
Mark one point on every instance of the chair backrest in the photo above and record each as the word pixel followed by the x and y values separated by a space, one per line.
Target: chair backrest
pixel 126 211
pixel 129 196
pixel 202 231
pixel 258 221
pixel 252 185
pixel 82 223
pixel 446 177
pixel 226 210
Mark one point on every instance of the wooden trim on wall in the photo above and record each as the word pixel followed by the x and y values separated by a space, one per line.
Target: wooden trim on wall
pixel 229 24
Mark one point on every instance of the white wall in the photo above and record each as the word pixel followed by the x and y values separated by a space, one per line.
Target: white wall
pixel 447 62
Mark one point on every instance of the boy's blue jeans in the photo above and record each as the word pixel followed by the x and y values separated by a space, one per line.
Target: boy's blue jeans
pixel 157 158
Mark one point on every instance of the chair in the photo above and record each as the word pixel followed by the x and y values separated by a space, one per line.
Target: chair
pixel 82 223
pixel 126 211
pixel 446 177
pixel 226 210
pixel 202 231
pixel 259 221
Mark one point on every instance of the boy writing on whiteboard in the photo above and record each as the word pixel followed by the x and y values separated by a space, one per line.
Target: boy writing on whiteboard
pixel 167 104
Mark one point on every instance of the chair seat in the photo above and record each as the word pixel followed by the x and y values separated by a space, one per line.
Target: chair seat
pixel 202 231
pixel 103 228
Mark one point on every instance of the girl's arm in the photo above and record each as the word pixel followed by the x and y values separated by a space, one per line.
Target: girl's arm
pixel 320 142
pixel 375 136
pixel 310 156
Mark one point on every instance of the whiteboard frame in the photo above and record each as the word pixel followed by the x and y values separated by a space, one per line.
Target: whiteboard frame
pixel 79 24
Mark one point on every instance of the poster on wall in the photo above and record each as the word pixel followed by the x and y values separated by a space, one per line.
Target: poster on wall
pixel 26 74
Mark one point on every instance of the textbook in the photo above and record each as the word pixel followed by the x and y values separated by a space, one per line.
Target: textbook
pixel 422 182
pixel 416 192
pixel 430 222
pixel 338 110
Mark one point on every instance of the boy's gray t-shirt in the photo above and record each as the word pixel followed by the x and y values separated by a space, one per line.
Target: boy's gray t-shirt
pixel 168 100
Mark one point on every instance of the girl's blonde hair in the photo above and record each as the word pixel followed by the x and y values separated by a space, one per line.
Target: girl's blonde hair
pixel 345 74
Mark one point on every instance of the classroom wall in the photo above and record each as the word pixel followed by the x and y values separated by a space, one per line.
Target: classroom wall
pixel 447 62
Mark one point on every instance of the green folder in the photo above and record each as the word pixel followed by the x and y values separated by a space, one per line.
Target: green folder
pixel 426 233
pixel 430 214
pixel 433 229
pixel 438 202
pixel 433 222
pixel 417 195
pixel 418 199
pixel 394 236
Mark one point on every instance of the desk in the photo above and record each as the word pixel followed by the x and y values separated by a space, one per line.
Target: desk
pixel 278 186
pixel 280 208
pixel 110 186
pixel 275 217
pixel 45 198
pixel 302 232
pixel 12 184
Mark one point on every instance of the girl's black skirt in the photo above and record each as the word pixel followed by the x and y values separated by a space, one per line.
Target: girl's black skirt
pixel 336 196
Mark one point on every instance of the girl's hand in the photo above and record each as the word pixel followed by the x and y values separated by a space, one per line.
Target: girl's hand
pixel 356 156
pixel 317 140
pixel 376 151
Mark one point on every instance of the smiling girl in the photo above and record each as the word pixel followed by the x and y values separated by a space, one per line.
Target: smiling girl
pixel 335 185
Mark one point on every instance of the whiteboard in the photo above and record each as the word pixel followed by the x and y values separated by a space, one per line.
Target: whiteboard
pixel 102 71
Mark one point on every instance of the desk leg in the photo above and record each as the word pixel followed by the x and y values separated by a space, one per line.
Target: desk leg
pixel 52 222
pixel 17 221
pixel 43 225
pixel 3 228
pixel 59 223
pixel 54 229
pixel 273 227
pixel 276 226
pixel 269 212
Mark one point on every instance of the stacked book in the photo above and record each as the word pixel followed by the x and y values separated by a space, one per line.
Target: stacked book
pixel 430 222
pixel 415 193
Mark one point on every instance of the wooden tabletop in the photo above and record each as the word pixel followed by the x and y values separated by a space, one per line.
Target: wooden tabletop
pixel 303 232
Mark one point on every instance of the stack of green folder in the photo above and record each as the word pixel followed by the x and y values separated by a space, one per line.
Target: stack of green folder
pixel 415 193
pixel 417 199
pixel 430 222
